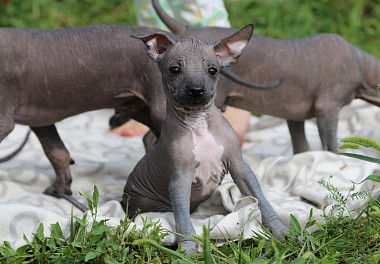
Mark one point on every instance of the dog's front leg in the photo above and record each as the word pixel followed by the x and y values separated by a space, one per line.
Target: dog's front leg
pixel 180 191
pixel 248 185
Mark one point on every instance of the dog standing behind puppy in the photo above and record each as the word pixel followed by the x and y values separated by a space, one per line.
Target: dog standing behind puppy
pixel 320 74
pixel 197 146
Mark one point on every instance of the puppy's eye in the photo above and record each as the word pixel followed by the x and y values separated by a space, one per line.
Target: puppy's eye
pixel 174 70
pixel 212 71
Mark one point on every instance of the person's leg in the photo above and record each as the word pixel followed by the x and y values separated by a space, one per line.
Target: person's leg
pixel 239 120
pixel 131 128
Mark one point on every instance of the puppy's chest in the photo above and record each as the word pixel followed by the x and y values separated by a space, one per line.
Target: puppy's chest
pixel 208 155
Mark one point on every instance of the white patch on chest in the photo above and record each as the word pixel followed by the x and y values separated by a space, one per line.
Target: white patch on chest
pixel 210 172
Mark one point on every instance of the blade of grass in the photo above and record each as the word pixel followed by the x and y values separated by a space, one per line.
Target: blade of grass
pixel 361 157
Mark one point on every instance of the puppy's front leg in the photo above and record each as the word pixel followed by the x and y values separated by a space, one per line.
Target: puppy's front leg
pixel 180 191
pixel 248 184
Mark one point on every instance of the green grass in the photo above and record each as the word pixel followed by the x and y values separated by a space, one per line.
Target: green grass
pixel 339 238
pixel 356 20
pixel 55 13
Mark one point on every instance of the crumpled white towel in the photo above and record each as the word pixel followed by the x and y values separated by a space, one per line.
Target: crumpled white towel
pixel 289 182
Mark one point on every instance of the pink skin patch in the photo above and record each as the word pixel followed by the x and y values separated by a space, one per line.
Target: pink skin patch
pixel 209 173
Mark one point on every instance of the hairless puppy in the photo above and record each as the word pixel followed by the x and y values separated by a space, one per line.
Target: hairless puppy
pixel 320 74
pixel 197 146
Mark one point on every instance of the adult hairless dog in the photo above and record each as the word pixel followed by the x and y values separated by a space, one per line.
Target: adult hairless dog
pixel 49 74
pixel 197 146
pixel 320 74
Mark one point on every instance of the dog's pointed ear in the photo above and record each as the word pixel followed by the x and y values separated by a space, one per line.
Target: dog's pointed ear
pixel 156 44
pixel 230 48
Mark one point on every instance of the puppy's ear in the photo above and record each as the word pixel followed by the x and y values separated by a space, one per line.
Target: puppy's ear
pixel 156 44
pixel 230 48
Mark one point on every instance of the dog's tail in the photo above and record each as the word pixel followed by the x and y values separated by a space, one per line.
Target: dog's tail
pixel 174 25
pixel 260 86
pixel 16 151
pixel 73 201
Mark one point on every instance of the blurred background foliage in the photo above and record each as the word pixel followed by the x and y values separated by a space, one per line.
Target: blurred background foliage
pixel 355 20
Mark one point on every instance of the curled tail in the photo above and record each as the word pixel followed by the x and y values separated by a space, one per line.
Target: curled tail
pixel 370 72
pixel 16 151
pixel 174 25
pixel 236 78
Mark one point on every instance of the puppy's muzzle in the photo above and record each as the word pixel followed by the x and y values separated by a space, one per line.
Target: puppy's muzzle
pixel 195 90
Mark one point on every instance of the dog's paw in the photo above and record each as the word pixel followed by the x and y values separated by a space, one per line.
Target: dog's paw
pixel 57 190
pixel 279 230
pixel 189 247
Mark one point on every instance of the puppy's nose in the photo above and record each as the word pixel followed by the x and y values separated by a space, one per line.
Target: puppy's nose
pixel 196 90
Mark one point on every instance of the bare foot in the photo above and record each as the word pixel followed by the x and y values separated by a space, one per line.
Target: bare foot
pixel 131 128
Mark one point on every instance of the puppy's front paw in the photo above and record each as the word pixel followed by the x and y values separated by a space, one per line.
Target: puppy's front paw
pixel 189 247
pixel 279 230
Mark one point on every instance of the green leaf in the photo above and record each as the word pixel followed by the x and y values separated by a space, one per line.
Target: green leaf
pixel 89 201
pixel 111 261
pixel 21 250
pixel 361 157
pixel 310 223
pixel 40 232
pixel 7 249
pixel 376 219
pixel 99 230
pixel 91 255
pixel 303 258
pixel 80 221
pixel 168 251
pixel 56 231
pixel 77 244
pixel 373 177
pixel 295 224
pixel 95 196
pixel 206 245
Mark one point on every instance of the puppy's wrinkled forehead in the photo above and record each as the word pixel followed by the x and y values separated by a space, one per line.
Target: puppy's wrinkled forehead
pixel 192 50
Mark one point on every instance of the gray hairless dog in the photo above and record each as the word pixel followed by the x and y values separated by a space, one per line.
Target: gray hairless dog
pixel 50 74
pixel 320 74
pixel 197 146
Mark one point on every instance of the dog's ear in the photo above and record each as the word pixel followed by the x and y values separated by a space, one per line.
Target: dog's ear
pixel 230 48
pixel 156 44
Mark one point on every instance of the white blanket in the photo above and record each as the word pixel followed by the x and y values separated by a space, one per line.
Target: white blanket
pixel 102 159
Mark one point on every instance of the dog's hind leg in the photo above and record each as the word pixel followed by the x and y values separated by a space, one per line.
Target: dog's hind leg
pixel 58 156
pixel 297 134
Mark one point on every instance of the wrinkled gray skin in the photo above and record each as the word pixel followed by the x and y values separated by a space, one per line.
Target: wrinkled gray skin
pixel 320 74
pixel 47 75
pixel 197 146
